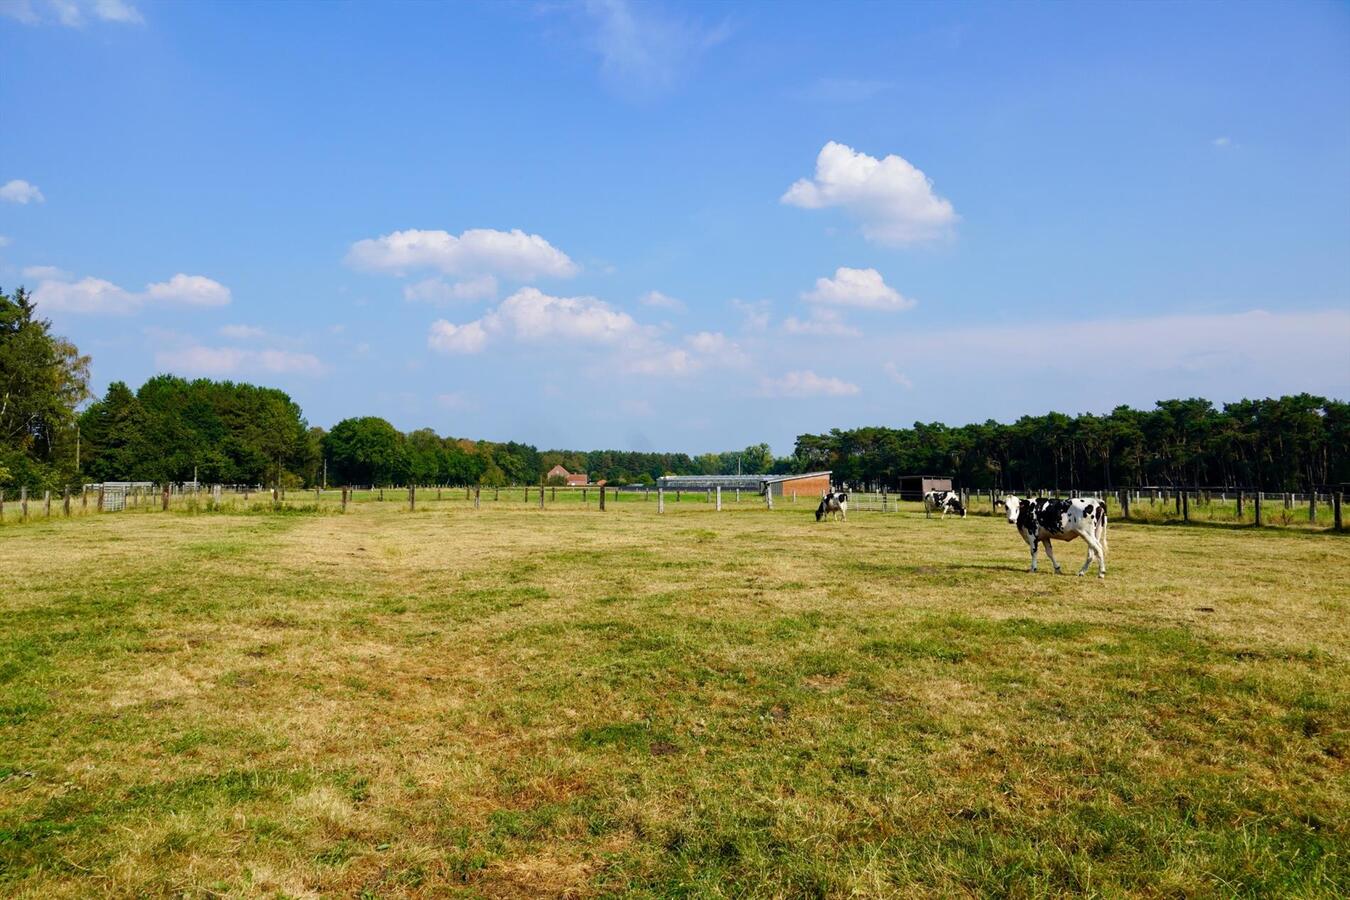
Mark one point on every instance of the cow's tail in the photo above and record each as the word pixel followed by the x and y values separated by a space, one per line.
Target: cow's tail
pixel 1101 526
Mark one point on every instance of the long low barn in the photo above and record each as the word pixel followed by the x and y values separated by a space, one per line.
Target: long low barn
pixel 809 484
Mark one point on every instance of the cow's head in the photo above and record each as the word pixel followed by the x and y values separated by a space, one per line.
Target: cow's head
pixel 1012 506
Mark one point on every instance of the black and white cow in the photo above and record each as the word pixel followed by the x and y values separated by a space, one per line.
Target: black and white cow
pixel 1042 520
pixel 832 502
pixel 947 501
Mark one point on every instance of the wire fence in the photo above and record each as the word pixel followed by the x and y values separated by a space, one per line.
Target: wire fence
pixel 1227 506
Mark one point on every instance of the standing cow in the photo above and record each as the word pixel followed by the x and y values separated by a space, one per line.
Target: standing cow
pixel 947 501
pixel 832 502
pixel 1042 520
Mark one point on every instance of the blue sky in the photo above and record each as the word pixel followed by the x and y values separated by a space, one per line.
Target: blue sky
pixel 686 227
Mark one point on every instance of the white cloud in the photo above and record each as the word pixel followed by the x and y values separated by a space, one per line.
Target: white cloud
pixel 439 292
pixel 49 272
pixel 188 290
pixel 70 13
pixel 644 52
pixel 446 337
pixel 892 199
pixel 243 332
pixel 822 322
pixel 477 251
pixel 806 383
pixel 225 361
pixel 20 191
pixel 661 301
pixel 96 295
pixel 700 351
pixel 1222 142
pixel 894 374
pixel 531 315
pixel 862 288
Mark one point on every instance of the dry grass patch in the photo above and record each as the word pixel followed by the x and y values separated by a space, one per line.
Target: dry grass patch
pixel 517 703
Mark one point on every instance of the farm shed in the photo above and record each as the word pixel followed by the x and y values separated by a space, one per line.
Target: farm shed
pixel 913 487
pixel 810 484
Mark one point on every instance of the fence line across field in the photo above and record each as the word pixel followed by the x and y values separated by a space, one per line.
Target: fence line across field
pixel 1224 503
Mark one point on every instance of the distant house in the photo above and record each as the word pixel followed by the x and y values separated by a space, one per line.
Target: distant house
pixel 572 478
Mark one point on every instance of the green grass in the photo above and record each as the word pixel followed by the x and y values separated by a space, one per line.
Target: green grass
pixel 509 703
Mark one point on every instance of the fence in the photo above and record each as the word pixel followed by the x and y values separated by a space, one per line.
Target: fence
pixel 1229 506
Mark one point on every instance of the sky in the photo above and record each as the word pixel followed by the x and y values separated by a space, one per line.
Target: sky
pixel 685 227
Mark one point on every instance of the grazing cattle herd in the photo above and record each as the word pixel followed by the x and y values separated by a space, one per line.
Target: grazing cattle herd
pixel 1039 520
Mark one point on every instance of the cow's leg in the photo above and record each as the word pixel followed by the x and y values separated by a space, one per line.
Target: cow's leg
pixel 1050 555
pixel 1034 544
pixel 1094 549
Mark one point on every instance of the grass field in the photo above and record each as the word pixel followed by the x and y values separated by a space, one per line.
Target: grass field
pixel 520 703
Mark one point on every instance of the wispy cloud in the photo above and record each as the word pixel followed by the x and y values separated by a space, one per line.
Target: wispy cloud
pixel 644 50
pixel 71 13
pixel 661 301
pixel 198 359
pixel 806 383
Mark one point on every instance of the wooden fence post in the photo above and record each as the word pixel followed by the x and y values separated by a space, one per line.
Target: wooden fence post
pixel 345 493
pixel 165 504
pixel 719 498
pixel 84 498
pixel 768 497
pixel 1336 499
pixel 583 495
pixel 738 495
pixel 47 504
pixel 602 498
pixel 527 493
pixel 1185 505
pixel 660 500
pixel 412 497
pixel 1257 506
pixel 541 497
pixel 23 504
pixel 1312 507
pixel 99 508
pixel 477 492
pixel 1125 504
pixel 438 492
pixel 1239 505
pixel 65 503
pixel 677 495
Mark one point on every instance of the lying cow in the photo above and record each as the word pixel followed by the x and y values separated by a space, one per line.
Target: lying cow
pixel 833 502
pixel 1042 520
pixel 947 501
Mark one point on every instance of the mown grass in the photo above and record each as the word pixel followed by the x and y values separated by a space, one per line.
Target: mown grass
pixel 520 703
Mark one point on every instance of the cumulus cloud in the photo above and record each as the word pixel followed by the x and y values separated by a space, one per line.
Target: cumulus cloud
pixel 806 383
pixel 643 51
pixel 447 337
pixel 478 251
pixel 661 301
pixel 70 13
pixel 20 191
pixel 531 315
pixel 197 359
pixel 822 322
pixel 96 295
pixel 892 199
pixel 861 288
pixel 440 292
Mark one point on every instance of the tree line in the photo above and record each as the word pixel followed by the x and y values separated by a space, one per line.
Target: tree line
pixel 173 429
pixel 1277 444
